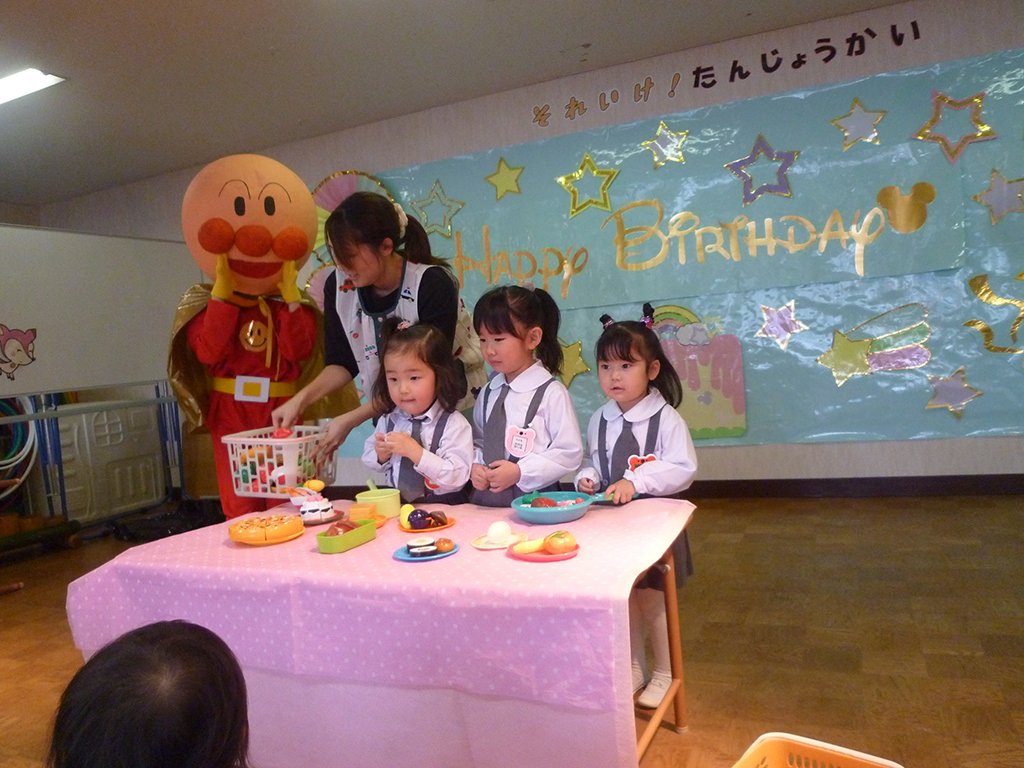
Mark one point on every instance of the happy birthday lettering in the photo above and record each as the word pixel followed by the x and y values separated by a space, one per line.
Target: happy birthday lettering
pixel 521 266
pixel 735 239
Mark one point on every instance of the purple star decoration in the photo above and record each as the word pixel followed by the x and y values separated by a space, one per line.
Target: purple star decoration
pixel 780 187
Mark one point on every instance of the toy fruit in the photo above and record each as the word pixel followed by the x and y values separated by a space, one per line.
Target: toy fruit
pixel 314 485
pixel 403 515
pixel 559 542
pixel 528 547
pixel 280 433
pixel 419 519
pixel 543 501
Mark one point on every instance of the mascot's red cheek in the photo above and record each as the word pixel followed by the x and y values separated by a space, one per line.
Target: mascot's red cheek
pixel 216 236
pixel 254 240
pixel 291 244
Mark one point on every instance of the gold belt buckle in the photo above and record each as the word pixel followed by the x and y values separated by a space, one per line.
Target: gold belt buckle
pixel 252 389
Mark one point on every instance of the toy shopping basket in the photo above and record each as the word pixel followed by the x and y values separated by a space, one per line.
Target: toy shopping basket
pixel 784 750
pixel 266 466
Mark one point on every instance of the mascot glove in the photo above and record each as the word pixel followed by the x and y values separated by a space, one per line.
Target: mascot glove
pixel 288 285
pixel 224 284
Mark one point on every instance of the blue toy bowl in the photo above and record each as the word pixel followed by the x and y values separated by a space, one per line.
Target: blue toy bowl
pixel 571 505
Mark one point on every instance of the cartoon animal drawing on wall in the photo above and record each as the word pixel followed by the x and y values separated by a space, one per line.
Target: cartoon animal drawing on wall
pixel 17 349
pixel 244 345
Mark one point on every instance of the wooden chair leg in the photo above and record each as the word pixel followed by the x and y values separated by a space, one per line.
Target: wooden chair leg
pixel 676 695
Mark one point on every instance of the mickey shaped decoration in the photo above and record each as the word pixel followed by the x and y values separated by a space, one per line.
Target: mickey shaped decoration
pixel 240 346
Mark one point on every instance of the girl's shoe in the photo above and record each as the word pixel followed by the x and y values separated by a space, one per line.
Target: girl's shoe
pixel 655 691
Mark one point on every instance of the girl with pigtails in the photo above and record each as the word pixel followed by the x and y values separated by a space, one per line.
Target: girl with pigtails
pixel 422 443
pixel 639 445
pixel 525 429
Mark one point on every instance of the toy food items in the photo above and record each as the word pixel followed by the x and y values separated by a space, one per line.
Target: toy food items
pixel 403 514
pixel 543 501
pixel 316 509
pixel 557 543
pixel 266 529
pixel 419 541
pixel 499 532
pixel 345 535
pixel 444 545
pixel 341 527
pixel 421 519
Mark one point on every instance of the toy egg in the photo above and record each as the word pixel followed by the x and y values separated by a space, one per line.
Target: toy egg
pixel 499 532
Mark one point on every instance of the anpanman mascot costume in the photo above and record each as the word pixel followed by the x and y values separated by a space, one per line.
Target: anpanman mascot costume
pixel 244 345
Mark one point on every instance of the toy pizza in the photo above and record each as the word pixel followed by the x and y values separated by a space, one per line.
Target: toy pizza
pixel 266 529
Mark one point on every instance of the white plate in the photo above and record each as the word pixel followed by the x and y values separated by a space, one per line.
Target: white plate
pixel 482 542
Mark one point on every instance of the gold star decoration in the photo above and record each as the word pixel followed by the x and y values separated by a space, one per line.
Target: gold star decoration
pixel 666 146
pixel 437 197
pixel 952 392
pixel 859 124
pixel 573 362
pixel 846 357
pixel 952 150
pixel 568 182
pixel 505 179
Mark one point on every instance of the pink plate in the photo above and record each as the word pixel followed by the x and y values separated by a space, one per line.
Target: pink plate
pixel 542 557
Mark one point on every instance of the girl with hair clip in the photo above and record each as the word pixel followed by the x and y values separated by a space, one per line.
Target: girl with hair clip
pixel 165 695
pixel 525 428
pixel 383 268
pixel 639 445
pixel 423 444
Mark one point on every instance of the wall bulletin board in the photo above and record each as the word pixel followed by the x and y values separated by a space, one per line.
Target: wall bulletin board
pixel 844 263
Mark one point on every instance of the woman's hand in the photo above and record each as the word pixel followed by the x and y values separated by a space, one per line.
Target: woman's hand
pixel 586 485
pixel 337 430
pixel 287 414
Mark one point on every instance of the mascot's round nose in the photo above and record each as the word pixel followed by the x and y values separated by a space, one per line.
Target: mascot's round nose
pixel 291 244
pixel 254 240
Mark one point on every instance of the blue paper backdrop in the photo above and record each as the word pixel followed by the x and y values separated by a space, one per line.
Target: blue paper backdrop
pixel 907 290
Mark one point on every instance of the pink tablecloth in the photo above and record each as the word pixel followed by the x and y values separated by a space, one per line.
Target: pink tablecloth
pixel 478 621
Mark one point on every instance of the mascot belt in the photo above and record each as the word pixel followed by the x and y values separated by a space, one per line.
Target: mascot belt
pixel 253 389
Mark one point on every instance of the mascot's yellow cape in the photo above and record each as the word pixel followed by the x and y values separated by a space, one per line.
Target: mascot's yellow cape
pixel 191 382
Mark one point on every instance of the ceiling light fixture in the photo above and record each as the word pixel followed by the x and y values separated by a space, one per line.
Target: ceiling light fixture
pixel 25 82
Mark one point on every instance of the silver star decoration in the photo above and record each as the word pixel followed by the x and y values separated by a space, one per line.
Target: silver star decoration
pixel 859 124
pixel 1003 196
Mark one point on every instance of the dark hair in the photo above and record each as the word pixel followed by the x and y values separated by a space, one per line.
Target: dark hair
pixel 368 218
pixel 433 348
pixel 634 340
pixel 166 695
pixel 513 309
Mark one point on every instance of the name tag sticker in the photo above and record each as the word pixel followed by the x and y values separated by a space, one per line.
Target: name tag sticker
pixel 519 441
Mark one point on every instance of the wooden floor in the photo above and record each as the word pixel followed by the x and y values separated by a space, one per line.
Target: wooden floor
pixel 892 626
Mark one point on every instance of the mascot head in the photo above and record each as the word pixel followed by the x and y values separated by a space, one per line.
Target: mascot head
pixel 256 211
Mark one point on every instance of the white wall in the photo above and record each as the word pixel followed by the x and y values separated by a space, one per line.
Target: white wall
pixel 949 30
